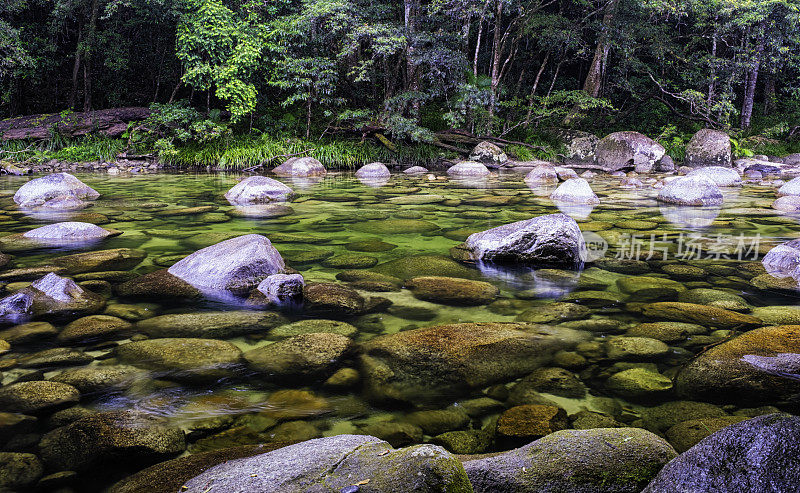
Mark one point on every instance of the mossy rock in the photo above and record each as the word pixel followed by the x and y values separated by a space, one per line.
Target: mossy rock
pixel 609 460
pixel 350 261
pixel 452 291
pixel 395 227
pixel 369 246
pixel 307 256
pixel 687 434
pixel 554 312
pixel 424 265
pixel 465 442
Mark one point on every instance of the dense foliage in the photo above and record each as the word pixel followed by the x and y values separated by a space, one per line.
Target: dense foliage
pixel 318 68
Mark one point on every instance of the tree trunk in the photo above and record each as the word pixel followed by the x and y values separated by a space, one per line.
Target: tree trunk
pixel 76 67
pixel 752 81
pixel 770 95
pixel 412 78
pixel 481 20
pixel 88 54
pixel 712 79
pixel 496 54
pixel 597 69
pixel 533 89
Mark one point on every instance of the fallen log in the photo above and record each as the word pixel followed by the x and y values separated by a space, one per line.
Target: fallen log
pixel 111 123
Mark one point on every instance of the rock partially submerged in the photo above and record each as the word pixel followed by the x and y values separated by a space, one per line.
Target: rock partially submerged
pixel 63 234
pixel 338 463
pixel 721 176
pixel 373 170
pixel 58 191
pixel 300 167
pixel 541 175
pixel 468 169
pixel 258 190
pixel 237 265
pixel 691 190
pixel 575 191
pixel 553 240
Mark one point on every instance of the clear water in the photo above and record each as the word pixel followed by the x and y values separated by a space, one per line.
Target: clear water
pixel 339 210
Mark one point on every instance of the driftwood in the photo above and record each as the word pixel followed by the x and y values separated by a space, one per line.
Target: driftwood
pixel 111 123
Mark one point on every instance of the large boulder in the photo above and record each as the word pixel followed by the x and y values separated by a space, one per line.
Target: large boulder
pixel 759 454
pixel 709 148
pixel 237 265
pixel 553 240
pixel 488 154
pixel 300 167
pixel 373 170
pixel 608 460
pixel 108 438
pixel 258 190
pixel 541 175
pixel 186 359
pixel 721 176
pixel 438 363
pixel 56 297
pixel 468 169
pixel 759 367
pixel 623 149
pixel 337 464
pixel 578 145
pixel 51 190
pixel 575 191
pixel 691 190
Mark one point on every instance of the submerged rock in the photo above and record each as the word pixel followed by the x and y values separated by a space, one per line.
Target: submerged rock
pixel 699 314
pixel 101 378
pixel 58 191
pixel 691 190
pixel 258 190
pixel 299 167
pixel 338 462
pixel 621 149
pixel 436 363
pixel 760 366
pixel 212 325
pixel 194 360
pixel 37 396
pixel 546 241
pixel 237 265
pixel 64 234
pixel 110 437
pixel 709 148
pixel 760 454
pixel 100 260
pixel 304 357
pixel 415 170
pixel 611 460
pixel 452 291
pixel 19 471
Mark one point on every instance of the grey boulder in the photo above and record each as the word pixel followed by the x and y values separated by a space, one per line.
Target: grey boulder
pixel 709 148
pixel 335 464
pixel 54 188
pixel 488 154
pixel 373 170
pixel 300 167
pixel 258 190
pixel 468 168
pixel 552 240
pixel 575 191
pixel 721 176
pixel 691 190
pixel 237 265
pixel 622 149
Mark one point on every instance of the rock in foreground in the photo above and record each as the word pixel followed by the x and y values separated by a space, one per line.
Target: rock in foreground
pixel 336 464
pixel 760 454
pixel 608 460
